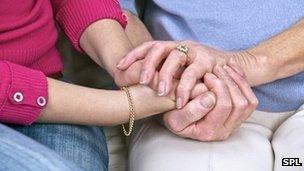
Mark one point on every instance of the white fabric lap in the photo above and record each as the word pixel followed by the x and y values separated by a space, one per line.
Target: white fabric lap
pixel 288 142
pixel 154 148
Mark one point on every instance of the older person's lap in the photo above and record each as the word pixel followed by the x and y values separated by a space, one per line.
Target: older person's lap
pixel 259 144
pixel 288 141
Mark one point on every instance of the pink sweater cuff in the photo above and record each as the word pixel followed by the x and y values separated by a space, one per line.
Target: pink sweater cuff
pixel 75 16
pixel 23 93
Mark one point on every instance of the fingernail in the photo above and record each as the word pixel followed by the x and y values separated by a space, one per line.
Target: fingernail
pixel 143 77
pixel 179 102
pixel 207 101
pixel 161 88
pixel 121 62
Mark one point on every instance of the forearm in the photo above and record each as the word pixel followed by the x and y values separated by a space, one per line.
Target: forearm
pixel 136 30
pixel 283 54
pixel 73 104
pixel 106 43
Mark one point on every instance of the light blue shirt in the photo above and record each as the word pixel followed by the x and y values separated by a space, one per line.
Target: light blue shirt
pixel 231 25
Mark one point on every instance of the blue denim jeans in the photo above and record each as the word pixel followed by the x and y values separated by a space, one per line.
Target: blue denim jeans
pixel 52 147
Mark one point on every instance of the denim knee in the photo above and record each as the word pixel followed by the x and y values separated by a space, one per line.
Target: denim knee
pixel 19 152
pixel 84 145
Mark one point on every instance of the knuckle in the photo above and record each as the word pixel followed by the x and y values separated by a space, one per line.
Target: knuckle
pixel 149 43
pixel 242 104
pixel 158 45
pixel 254 102
pixel 209 65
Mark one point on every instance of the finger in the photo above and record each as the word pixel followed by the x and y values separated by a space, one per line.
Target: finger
pixel 154 57
pixel 196 109
pixel 188 79
pixel 232 63
pixel 130 76
pixel 136 54
pixel 198 89
pixel 245 88
pixel 179 72
pixel 239 101
pixel 172 64
pixel 219 114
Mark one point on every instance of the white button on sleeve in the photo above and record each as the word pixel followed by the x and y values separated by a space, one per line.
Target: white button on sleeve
pixel 41 101
pixel 18 97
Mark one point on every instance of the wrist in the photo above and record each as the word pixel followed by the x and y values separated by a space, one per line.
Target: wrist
pixel 258 66
pixel 148 103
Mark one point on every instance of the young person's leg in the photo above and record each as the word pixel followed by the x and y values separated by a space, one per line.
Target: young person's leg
pixel 154 148
pixel 288 141
pixel 18 152
pixel 83 145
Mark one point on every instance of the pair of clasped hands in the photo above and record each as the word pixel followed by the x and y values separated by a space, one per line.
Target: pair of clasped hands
pixel 212 95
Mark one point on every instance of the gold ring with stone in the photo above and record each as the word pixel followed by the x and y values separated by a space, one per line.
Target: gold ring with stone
pixel 184 49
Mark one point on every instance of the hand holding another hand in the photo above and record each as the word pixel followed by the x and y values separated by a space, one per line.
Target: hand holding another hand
pixel 225 99
pixel 199 60
pixel 205 119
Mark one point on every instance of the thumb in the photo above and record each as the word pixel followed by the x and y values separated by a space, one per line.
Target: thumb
pixel 195 110
pixel 128 77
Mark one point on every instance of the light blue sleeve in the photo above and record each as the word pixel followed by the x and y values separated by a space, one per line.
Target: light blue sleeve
pixel 129 5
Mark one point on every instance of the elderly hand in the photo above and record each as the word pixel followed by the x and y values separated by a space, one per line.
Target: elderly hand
pixel 204 120
pixel 171 63
pixel 163 56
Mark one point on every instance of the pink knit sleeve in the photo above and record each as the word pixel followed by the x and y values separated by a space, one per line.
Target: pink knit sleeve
pixel 23 93
pixel 74 16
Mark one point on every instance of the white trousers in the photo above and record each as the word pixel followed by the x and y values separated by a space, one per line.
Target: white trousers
pixel 259 144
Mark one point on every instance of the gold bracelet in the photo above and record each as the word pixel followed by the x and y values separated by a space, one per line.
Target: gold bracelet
pixel 132 112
